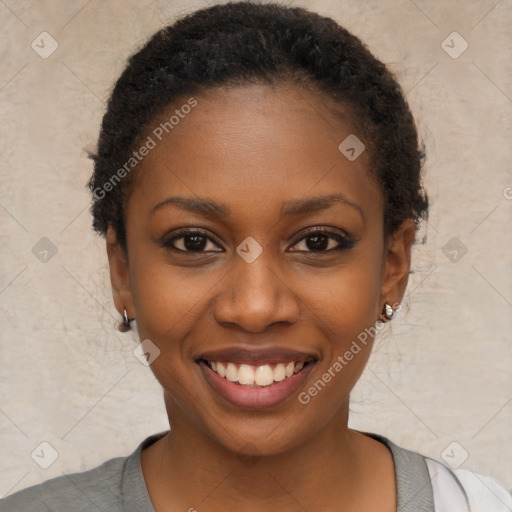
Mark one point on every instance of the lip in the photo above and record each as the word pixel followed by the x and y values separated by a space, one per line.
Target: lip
pixel 257 356
pixel 257 397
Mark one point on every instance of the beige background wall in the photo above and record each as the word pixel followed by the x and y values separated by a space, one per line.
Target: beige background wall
pixel 442 373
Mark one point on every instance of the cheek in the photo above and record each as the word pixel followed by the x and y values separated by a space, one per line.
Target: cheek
pixel 347 319
pixel 344 299
pixel 168 299
pixel 345 308
pixel 344 304
pixel 169 307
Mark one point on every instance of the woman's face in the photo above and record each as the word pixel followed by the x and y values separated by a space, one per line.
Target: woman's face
pixel 256 173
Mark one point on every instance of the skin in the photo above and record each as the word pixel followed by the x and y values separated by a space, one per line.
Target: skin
pixel 252 148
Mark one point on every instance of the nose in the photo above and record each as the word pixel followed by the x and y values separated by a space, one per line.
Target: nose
pixel 254 296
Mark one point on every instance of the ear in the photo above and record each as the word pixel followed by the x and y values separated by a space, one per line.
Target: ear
pixel 119 275
pixel 397 263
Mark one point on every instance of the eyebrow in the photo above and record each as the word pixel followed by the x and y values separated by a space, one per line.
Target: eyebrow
pixel 293 207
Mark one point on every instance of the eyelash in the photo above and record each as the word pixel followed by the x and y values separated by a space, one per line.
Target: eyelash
pixel 344 241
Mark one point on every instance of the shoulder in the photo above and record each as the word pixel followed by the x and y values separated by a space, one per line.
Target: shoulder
pixel 99 488
pixel 480 493
pixel 433 485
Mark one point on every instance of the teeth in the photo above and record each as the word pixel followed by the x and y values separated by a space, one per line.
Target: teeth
pixel 298 367
pixel 279 372
pixel 221 369
pixel 232 373
pixel 263 375
pixel 246 375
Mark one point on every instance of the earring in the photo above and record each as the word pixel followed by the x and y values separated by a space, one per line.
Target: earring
pixel 125 324
pixel 389 312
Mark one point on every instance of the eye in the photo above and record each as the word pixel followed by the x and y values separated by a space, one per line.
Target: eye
pixel 322 241
pixel 190 240
pixel 316 240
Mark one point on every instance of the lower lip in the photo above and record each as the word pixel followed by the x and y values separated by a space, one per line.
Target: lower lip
pixel 255 397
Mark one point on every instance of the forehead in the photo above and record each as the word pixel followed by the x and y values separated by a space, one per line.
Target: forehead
pixel 253 143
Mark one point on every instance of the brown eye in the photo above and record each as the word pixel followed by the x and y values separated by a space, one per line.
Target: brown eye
pixel 191 241
pixel 320 241
pixel 324 241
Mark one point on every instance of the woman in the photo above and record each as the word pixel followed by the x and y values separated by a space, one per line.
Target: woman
pixel 258 182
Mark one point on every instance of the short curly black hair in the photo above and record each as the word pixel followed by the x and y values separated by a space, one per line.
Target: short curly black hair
pixel 240 43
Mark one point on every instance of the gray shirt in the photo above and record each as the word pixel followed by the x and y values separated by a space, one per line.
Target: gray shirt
pixel 118 485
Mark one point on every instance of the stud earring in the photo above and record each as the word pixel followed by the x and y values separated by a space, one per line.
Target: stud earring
pixel 125 324
pixel 389 312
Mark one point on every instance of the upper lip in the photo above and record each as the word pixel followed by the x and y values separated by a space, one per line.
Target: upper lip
pixel 255 356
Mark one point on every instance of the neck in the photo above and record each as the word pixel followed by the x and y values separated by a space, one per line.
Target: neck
pixel 189 468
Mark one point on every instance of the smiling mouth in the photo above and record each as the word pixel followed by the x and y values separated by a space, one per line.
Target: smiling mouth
pixel 263 375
